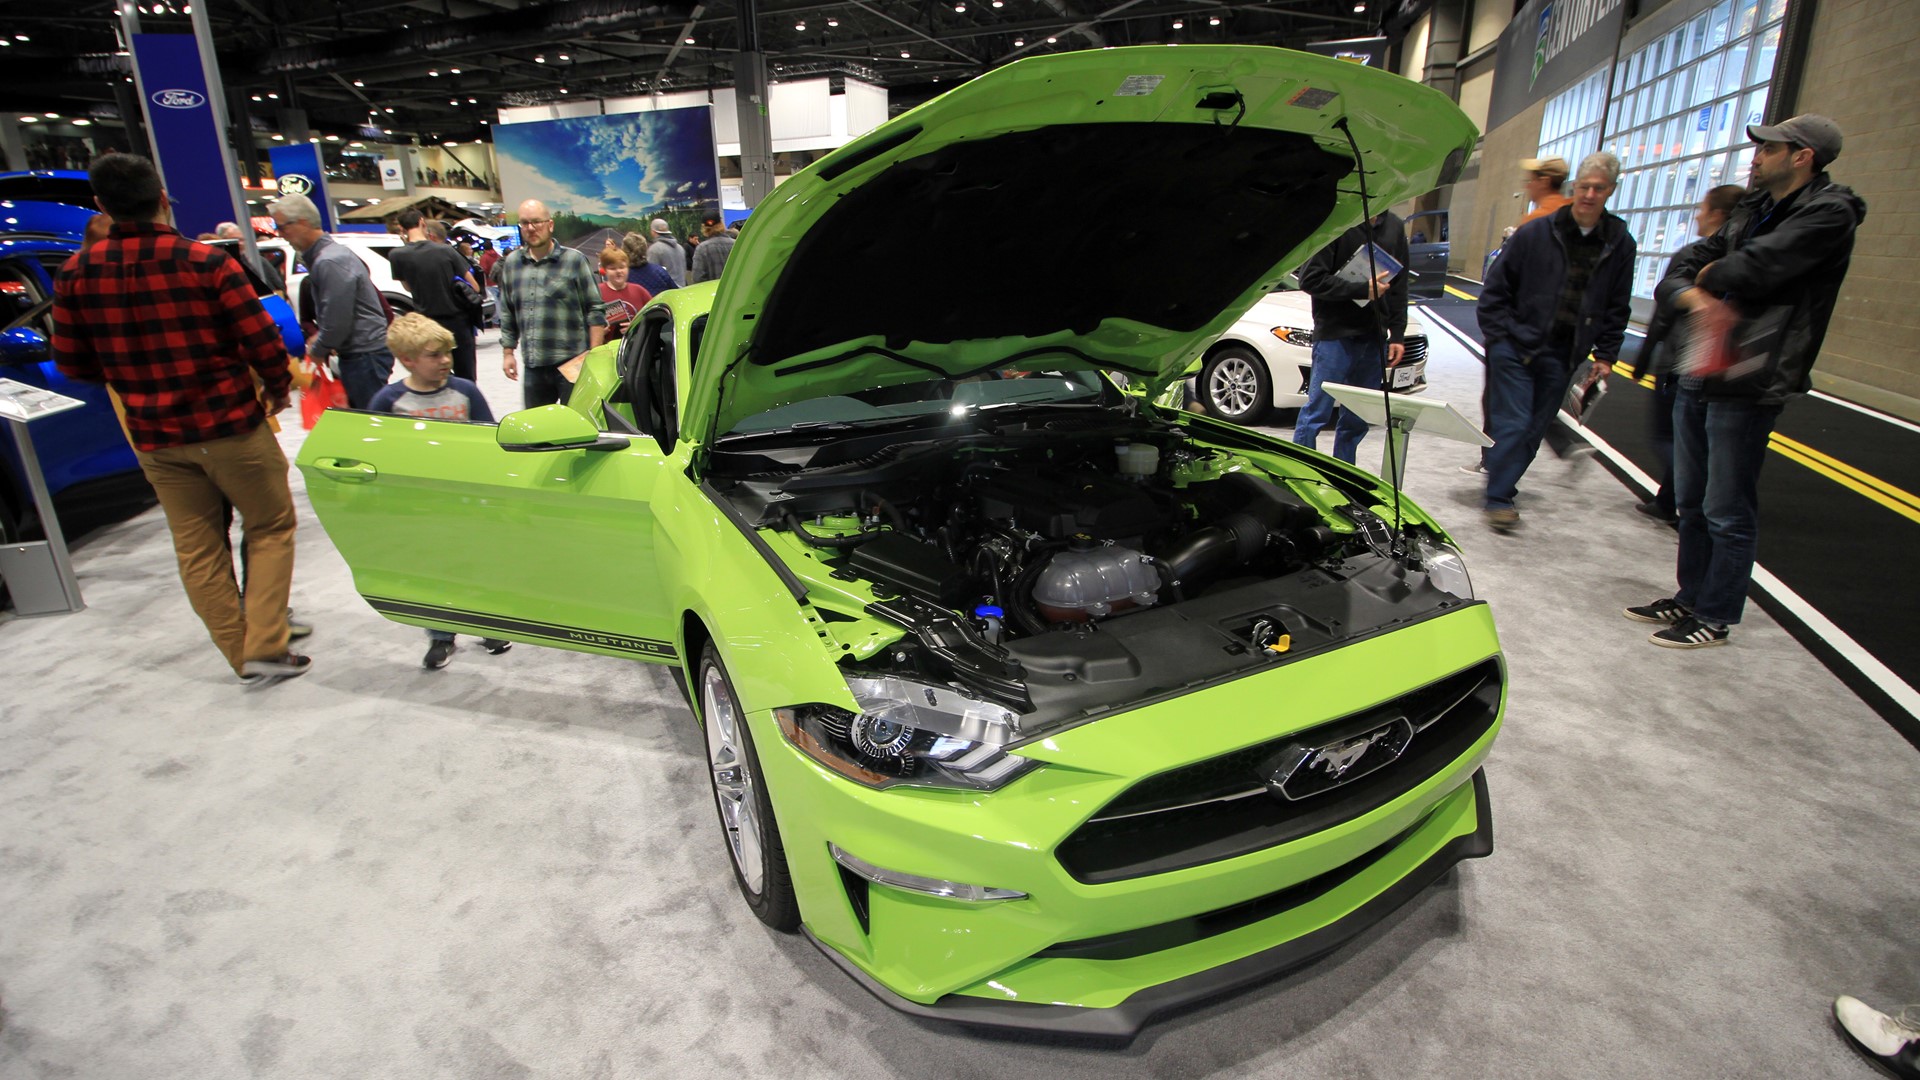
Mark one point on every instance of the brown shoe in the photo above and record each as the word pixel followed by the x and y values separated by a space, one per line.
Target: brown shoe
pixel 286 667
pixel 1503 520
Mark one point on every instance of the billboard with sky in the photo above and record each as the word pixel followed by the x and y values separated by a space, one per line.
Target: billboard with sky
pixel 606 176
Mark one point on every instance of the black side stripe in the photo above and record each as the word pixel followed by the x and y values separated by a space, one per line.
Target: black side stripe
pixel 527 630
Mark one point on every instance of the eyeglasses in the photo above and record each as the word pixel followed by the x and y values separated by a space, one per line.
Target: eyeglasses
pixel 536 221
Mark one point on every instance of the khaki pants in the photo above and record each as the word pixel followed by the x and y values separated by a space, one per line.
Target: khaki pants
pixel 195 483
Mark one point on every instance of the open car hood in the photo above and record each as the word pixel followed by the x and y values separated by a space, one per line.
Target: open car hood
pixel 1112 209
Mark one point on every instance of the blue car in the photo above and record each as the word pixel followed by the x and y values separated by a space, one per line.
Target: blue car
pixel 89 467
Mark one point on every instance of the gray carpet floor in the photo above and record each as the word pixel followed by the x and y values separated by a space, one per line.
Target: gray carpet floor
pixel 510 868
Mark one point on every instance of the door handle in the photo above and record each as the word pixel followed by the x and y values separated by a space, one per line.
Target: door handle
pixel 346 469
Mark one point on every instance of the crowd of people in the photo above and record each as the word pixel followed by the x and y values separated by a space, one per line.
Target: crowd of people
pixel 176 331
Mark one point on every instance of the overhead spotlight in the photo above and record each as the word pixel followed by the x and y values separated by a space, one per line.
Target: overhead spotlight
pixel 1213 20
pixel 333 138
pixel 29 119
pixel 453 101
pixel 563 89
pixel 21 37
pixel 273 97
pixel 800 25
pixel 564 56
pixel 905 55
pixel 1019 42
pixel 357 82
pixel 689 41
pixel 999 3
pixel 386 131
pixel 435 72
pixel 81 121
pixel 1179 24
pixel 257 97
pixel 959 9
pixel 52 115
pixel 833 22
pixel 1053 41
pixel 539 59
pixel 279 138
pixel 473 101
pixel 449 142
pixel 1358 8
pixel 356 144
pixel 389 110
pixel 4 41
pixel 313 138
pixel 456 71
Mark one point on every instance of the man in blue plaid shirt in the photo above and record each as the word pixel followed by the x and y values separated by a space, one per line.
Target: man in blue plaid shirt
pixel 550 309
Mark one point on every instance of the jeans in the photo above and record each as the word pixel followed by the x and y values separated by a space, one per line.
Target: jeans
pixel 1666 388
pixel 1522 400
pixel 543 386
pixel 1353 361
pixel 364 375
pixel 1718 448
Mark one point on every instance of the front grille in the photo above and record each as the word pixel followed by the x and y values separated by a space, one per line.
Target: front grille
pixel 1416 349
pixel 1221 808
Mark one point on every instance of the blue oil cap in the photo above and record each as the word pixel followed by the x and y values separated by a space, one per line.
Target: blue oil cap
pixel 988 611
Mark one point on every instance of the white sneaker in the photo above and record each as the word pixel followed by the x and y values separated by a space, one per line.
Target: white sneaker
pixel 1892 1043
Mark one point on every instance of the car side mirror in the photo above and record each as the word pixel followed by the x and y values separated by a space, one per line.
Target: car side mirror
pixel 553 427
pixel 23 345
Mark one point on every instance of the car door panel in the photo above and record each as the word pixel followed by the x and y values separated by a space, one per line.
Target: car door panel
pixel 443 528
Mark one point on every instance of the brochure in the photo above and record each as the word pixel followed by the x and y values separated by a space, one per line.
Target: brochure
pixel 1355 272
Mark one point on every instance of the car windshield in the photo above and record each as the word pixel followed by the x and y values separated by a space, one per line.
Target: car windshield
pixel 931 398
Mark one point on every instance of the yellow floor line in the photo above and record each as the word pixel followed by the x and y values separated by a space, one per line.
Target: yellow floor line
pixel 1846 481
pixel 1870 480
pixel 1451 291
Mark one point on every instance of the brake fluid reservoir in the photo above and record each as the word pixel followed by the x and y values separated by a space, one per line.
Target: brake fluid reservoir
pixel 1137 460
pixel 1091 584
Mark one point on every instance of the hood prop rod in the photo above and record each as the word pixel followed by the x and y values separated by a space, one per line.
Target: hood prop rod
pixel 1379 309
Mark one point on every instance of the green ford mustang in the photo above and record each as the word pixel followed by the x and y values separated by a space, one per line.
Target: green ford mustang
pixel 1033 703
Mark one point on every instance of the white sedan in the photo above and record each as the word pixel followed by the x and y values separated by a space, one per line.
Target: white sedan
pixel 1264 360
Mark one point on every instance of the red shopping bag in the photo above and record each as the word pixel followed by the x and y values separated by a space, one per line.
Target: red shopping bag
pixel 326 392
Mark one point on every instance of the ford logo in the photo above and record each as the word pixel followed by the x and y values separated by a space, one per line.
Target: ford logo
pixel 179 99
pixel 295 184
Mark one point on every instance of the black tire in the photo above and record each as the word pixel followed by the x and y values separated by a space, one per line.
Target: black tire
pixel 1236 386
pixel 740 799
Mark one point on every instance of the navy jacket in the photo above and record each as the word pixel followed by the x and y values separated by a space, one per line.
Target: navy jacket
pixel 1522 290
pixel 1335 315
pixel 1792 257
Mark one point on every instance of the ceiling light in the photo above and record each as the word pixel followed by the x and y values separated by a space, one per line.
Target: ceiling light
pixel 999 3
pixel 386 131
pixel 1213 20
pixel 959 9
pixel 52 116
pixel 274 97
pixel 435 72
pixel 1019 42
pixel 356 144
pixel 563 89
pixel 389 110
pixel 1358 8
pixel 29 119
pixel 257 97
pixel 453 101
pixel 1053 41
pixel 473 101
pixel 21 37
pixel 564 56
pixel 313 138
pixel 4 41
pixel 689 41
pixel 539 59
pixel 1179 24
pixel 357 82
pixel 279 138
pixel 81 121
pixel 456 71
pixel 833 22
pixel 905 55
pixel 800 25
pixel 333 138
pixel 449 142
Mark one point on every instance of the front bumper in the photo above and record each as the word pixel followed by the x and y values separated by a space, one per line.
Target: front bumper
pixel 1100 953
pixel 1121 1022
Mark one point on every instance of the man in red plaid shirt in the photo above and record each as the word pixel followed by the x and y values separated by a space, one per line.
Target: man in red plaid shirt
pixel 175 329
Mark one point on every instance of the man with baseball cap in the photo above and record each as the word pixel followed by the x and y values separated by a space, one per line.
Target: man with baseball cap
pixel 666 253
pixel 1773 273
pixel 1546 177
pixel 716 243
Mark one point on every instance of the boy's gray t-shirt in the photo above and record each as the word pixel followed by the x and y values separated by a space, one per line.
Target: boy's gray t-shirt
pixel 458 400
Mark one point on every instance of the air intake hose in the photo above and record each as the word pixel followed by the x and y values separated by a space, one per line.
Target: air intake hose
pixel 1231 541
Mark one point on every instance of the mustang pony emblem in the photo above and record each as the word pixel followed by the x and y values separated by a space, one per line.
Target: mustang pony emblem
pixel 1335 761
pixel 1301 771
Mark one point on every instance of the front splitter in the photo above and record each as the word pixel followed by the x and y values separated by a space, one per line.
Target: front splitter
pixel 1120 1023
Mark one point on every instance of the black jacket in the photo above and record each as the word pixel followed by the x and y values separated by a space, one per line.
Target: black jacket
pixel 1791 256
pixel 1656 354
pixel 1522 290
pixel 1335 315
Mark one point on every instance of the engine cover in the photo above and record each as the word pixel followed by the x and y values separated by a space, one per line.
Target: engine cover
pixel 1078 502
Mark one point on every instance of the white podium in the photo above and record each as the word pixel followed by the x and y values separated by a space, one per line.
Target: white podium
pixel 1400 415
pixel 38 573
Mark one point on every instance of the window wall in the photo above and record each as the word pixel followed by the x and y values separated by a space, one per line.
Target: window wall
pixel 1677 121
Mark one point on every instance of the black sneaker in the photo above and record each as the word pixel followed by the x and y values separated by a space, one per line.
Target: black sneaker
pixel 1891 1043
pixel 437 656
pixel 1690 633
pixel 495 645
pixel 285 667
pixel 1653 510
pixel 1667 612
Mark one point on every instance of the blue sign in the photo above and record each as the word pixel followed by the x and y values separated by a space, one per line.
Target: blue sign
pixel 298 171
pixel 192 150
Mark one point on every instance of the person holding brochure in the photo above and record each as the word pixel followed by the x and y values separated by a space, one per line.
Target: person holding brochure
pixel 1352 342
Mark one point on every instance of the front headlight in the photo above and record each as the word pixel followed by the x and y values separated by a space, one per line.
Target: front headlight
pixel 1445 567
pixel 1293 335
pixel 909 732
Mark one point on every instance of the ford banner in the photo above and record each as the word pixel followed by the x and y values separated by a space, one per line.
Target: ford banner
pixel 297 171
pixel 192 151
